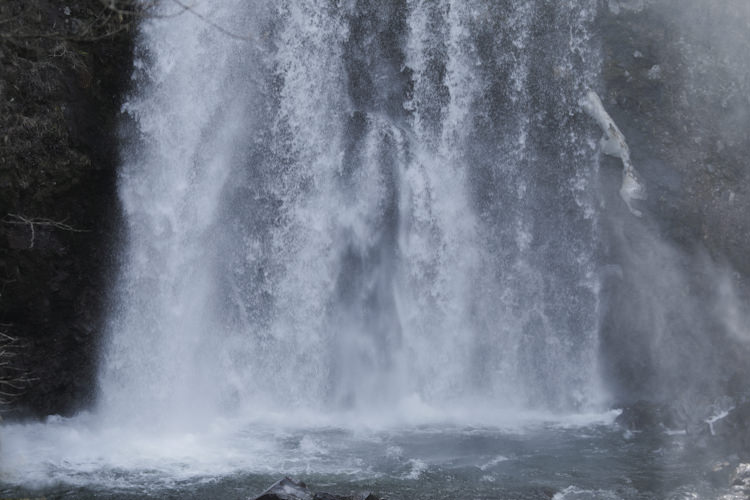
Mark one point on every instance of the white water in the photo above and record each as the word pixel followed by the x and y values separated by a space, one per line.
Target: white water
pixel 84 451
pixel 328 229
pixel 342 262
pixel 613 143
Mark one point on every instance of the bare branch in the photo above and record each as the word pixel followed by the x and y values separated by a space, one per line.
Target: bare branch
pixel 13 380
pixel 36 221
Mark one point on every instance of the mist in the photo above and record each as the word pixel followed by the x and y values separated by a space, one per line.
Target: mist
pixel 675 319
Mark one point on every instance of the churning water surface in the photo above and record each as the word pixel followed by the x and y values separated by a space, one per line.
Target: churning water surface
pixel 578 457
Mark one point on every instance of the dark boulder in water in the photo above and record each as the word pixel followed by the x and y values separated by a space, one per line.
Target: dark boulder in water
pixel 648 416
pixel 288 489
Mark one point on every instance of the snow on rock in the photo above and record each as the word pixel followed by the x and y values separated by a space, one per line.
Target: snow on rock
pixel 613 144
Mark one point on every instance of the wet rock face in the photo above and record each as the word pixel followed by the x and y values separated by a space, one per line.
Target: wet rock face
pixel 60 84
pixel 677 84
pixel 676 81
pixel 725 431
pixel 733 432
pixel 648 416
pixel 288 489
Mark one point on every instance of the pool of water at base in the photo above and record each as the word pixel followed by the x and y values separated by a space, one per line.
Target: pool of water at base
pixel 547 461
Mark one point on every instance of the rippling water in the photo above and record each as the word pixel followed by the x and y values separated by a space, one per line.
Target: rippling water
pixel 578 457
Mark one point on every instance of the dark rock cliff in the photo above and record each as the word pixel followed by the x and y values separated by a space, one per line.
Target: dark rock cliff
pixel 676 81
pixel 63 66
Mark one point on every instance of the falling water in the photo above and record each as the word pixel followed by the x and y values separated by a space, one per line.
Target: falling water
pixel 350 205
pixel 343 211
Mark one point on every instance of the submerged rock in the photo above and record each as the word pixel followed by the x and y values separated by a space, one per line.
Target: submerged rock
pixel 288 489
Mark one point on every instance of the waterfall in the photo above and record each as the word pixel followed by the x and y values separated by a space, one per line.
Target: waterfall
pixel 354 205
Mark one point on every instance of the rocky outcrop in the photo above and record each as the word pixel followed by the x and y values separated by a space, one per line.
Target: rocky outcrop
pixel 63 67
pixel 675 81
pixel 649 416
pixel 288 489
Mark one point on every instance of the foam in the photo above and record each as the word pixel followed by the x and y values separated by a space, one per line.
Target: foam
pixel 86 450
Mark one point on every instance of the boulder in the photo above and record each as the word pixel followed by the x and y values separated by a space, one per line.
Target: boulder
pixel 288 489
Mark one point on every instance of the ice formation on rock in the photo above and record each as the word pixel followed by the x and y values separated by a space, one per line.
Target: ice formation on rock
pixel 613 143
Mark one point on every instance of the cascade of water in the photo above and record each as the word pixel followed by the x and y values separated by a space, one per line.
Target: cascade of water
pixel 189 110
pixel 359 204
